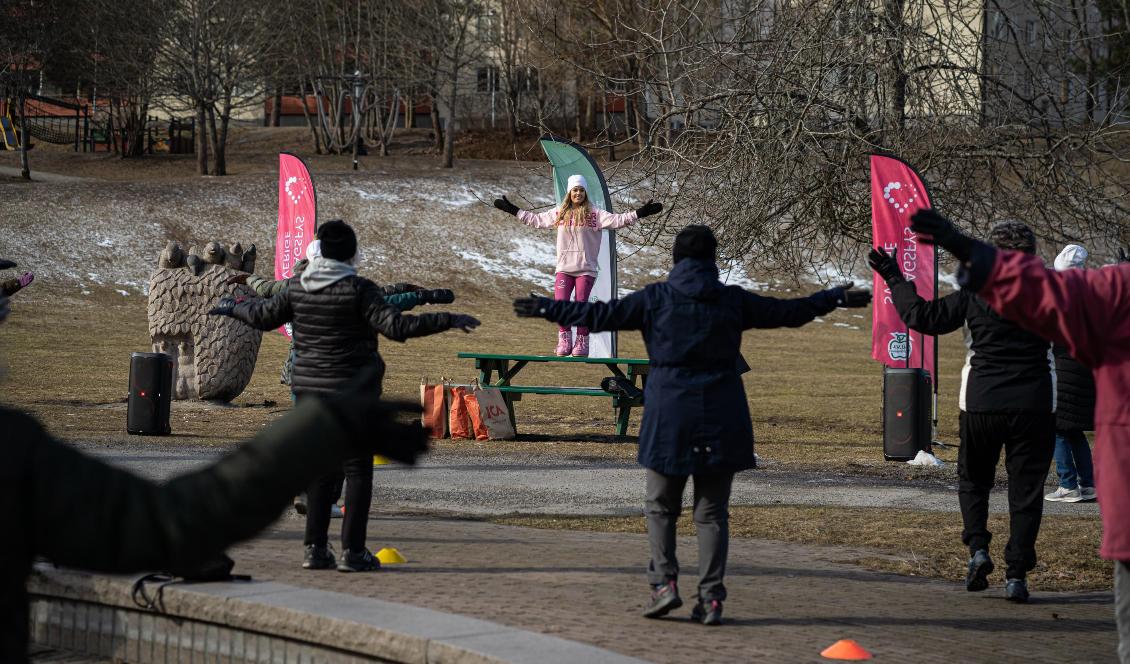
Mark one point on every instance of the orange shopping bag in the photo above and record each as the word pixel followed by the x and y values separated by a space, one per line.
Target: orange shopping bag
pixel 478 423
pixel 434 404
pixel 458 420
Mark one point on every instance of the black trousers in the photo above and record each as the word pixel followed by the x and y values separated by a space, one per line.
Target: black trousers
pixel 324 492
pixel 1028 440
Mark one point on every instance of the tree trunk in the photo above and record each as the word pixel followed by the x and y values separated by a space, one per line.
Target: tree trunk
pixel 896 76
pixel 214 139
pixel 309 119
pixel 449 142
pixel 512 118
pixel 25 169
pixel 276 109
pixel 437 130
pixel 409 112
pixel 222 140
pixel 201 139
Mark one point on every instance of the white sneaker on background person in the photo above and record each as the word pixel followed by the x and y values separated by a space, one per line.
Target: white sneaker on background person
pixel 1062 495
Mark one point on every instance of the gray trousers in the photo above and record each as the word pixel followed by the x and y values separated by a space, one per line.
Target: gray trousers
pixel 712 521
pixel 1122 608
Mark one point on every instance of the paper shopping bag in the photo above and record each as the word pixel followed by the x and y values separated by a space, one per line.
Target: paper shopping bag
pixel 458 419
pixel 435 409
pixel 493 413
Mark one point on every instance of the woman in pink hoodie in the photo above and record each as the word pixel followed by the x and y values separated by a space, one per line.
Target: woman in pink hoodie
pixel 578 223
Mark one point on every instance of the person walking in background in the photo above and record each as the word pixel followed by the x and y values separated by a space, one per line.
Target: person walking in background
pixel 1088 311
pixel 696 418
pixel 578 223
pixel 334 313
pixel 1075 410
pixel 1007 400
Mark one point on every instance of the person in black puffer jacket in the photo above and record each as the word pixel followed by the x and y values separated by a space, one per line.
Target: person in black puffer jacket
pixel 333 313
pixel 696 417
pixel 1075 411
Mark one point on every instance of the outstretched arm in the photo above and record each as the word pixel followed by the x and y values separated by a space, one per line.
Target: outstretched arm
pixel 763 312
pixel 625 314
pixel 262 314
pixel 389 321
pixel 940 316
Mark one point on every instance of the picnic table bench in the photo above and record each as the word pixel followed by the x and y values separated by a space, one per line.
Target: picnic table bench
pixel 508 366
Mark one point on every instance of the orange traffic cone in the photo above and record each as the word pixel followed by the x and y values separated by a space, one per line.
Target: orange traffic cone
pixel 845 649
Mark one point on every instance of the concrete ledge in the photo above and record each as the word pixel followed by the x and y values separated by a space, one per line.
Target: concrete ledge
pixel 271 622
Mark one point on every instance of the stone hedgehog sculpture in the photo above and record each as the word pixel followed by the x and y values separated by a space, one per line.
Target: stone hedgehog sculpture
pixel 214 356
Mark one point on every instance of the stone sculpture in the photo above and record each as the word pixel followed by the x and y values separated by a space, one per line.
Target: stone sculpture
pixel 214 356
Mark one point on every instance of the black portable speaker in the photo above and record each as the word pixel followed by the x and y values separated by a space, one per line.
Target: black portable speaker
pixel 906 413
pixel 150 394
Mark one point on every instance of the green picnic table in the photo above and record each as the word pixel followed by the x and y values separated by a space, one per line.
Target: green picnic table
pixel 508 366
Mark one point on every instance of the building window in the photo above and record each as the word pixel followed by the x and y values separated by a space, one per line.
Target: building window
pixel 487 79
pixel 1030 33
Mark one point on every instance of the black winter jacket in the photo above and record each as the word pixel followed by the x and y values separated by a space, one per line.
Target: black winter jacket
pixel 696 417
pixel 333 329
pixel 80 512
pixel 1075 393
pixel 1007 369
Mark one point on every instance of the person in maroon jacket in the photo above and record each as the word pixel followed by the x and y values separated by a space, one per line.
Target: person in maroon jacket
pixel 1088 311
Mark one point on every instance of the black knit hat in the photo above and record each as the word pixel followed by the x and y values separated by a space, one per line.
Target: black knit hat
pixel 1014 235
pixel 695 241
pixel 339 242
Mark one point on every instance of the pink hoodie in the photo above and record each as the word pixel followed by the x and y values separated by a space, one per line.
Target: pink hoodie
pixel 578 246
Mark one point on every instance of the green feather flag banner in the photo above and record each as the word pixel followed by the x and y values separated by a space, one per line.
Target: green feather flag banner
pixel 569 159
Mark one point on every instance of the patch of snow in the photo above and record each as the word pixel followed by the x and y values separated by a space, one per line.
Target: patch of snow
pixel 124 293
pixel 817 320
pixel 842 325
pixel 382 196
pixel 105 242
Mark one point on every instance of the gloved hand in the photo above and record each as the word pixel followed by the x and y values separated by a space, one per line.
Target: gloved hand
pixel 506 206
pixel 649 208
pixel 533 306
pixel 6 264
pixel 885 265
pixel 942 232
pixel 435 296
pixel 224 307
pixel 375 426
pixel 852 298
pixel 464 322
pixel 237 279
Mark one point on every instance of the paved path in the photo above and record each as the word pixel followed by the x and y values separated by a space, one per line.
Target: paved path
pixel 787 602
pixel 40 176
pixel 470 483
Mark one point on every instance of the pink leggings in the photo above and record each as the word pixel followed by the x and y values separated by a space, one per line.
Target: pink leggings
pixel 563 287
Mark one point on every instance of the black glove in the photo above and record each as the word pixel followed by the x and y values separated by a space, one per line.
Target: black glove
pixel 373 425
pixel 224 308
pixel 6 264
pixel 435 296
pixel 463 322
pixel 941 231
pixel 885 265
pixel 649 208
pixel 506 206
pixel 531 307
pixel 851 298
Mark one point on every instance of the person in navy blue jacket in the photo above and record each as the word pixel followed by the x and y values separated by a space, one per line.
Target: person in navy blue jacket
pixel 696 419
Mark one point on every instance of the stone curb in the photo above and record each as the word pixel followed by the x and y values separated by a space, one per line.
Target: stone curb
pixel 229 616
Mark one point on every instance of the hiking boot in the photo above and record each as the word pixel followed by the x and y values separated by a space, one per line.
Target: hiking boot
pixel 581 347
pixel 1016 590
pixel 300 504
pixel 358 561
pixel 980 566
pixel 564 343
pixel 1087 494
pixel 1062 495
pixel 664 599
pixel 707 613
pixel 318 557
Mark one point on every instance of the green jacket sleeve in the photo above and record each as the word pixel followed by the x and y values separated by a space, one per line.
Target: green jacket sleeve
pixel 264 287
pixel 390 322
pixel 404 301
pixel 82 512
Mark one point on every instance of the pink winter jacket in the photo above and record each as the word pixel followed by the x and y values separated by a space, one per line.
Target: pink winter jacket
pixel 1089 312
pixel 578 246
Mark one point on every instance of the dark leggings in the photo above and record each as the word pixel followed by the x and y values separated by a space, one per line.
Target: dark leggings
pixel 323 493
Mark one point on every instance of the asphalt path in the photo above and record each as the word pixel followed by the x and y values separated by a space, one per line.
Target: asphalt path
pixel 477 484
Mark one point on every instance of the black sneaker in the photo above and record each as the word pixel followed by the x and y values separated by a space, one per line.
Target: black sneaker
pixel 980 567
pixel 1016 590
pixel 358 561
pixel 707 613
pixel 318 557
pixel 664 599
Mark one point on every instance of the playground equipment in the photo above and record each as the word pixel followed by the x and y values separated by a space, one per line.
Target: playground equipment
pixel 88 126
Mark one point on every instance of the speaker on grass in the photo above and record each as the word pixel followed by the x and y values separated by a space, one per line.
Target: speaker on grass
pixel 906 413
pixel 150 394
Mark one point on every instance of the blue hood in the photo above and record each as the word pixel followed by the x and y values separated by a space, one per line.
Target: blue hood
pixel 696 278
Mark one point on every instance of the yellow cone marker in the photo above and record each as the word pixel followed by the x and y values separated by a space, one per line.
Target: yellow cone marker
pixel 379 460
pixel 390 556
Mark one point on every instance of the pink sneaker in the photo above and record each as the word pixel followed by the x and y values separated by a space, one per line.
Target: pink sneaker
pixel 564 342
pixel 581 348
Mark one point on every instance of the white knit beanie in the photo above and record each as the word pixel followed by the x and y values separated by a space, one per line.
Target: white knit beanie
pixel 577 181
pixel 1072 256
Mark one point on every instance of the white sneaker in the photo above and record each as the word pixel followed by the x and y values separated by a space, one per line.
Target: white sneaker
pixel 336 512
pixel 1062 495
pixel 1087 494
